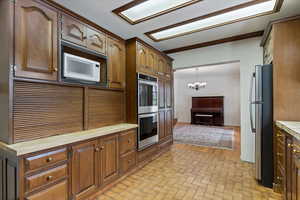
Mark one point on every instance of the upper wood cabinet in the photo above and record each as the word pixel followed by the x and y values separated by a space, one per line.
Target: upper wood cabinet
pixel 152 61
pixel 110 158
pixel 36 41
pixel 86 168
pixel 73 31
pixel 161 66
pixel 81 34
pixel 96 41
pixel 116 63
pixel 142 61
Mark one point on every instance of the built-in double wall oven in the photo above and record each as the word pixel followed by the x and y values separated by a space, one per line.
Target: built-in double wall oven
pixel 147 111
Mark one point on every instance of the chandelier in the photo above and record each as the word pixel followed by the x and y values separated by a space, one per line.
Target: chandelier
pixel 197 85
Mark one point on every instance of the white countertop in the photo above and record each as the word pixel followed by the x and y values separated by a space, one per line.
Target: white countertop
pixel 291 127
pixel 23 148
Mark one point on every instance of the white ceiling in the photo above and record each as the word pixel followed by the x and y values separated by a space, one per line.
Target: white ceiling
pixel 228 69
pixel 99 11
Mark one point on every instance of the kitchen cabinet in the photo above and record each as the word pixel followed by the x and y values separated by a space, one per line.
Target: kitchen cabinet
pixel 142 58
pixel 162 124
pixel 169 123
pixel 96 41
pixel 86 168
pixel 36 43
pixel 295 174
pixel 56 192
pixel 287 165
pixel 161 90
pixel 152 61
pixel 78 33
pixel 168 93
pixel 73 31
pixel 109 158
pixel 116 63
pixel 161 66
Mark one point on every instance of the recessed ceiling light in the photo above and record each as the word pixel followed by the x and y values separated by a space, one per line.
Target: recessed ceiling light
pixel 228 16
pixel 142 10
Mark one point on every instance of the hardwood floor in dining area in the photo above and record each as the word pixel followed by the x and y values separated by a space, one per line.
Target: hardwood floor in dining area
pixel 189 172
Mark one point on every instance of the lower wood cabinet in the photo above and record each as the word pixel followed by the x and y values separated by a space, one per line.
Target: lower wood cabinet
pixel 74 171
pixel 165 123
pixel 109 158
pixel 86 168
pixel 287 165
pixel 57 192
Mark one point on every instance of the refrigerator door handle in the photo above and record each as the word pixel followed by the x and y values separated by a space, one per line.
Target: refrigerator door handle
pixel 251 103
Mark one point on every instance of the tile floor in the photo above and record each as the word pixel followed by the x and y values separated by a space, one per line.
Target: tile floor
pixel 190 173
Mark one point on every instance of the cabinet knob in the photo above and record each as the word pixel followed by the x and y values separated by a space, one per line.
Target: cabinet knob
pixel 279 135
pixel 49 159
pixel 49 178
pixel 97 149
pixel 129 141
pixel 55 69
pixel 102 148
pixel 129 161
pixel 279 178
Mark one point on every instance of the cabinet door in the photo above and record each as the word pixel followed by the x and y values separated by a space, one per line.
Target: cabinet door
pixel 110 158
pixel 168 93
pixel 161 90
pixel 296 176
pixel 161 66
pixel 152 61
pixel 36 41
pixel 169 123
pixel 96 41
pixel 116 64
pixel 162 127
pixel 85 168
pixel 73 31
pixel 168 68
pixel 141 58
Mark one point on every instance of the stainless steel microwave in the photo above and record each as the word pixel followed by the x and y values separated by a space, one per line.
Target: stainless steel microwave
pixel 80 69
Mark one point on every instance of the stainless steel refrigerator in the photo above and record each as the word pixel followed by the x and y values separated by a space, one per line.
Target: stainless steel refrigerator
pixel 261 116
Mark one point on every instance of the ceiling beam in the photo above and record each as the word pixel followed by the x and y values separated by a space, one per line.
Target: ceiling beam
pixel 216 42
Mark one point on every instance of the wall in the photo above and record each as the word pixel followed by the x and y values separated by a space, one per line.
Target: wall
pixel 222 80
pixel 249 53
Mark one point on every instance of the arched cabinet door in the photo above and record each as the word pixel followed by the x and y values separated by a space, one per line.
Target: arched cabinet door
pixel 36 41
pixel 96 41
pixel 141 52
pixel 116 63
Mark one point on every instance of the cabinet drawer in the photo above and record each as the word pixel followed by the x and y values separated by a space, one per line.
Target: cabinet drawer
pixel 35 181
pixel 45 159
pixel 128 161
pixel 127 142
pixel 56 192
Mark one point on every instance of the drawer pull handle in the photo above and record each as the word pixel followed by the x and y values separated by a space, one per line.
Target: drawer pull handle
pixel 279 178
pixel 290 145
pixel 49 159
pixel 279 135
pixel 49 178
pixel 279 154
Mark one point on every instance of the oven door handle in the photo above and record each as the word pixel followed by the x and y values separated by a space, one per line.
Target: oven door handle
pixel 148 115
pixel 148 82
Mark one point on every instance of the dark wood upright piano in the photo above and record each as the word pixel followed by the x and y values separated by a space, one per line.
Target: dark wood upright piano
pixel 208 110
